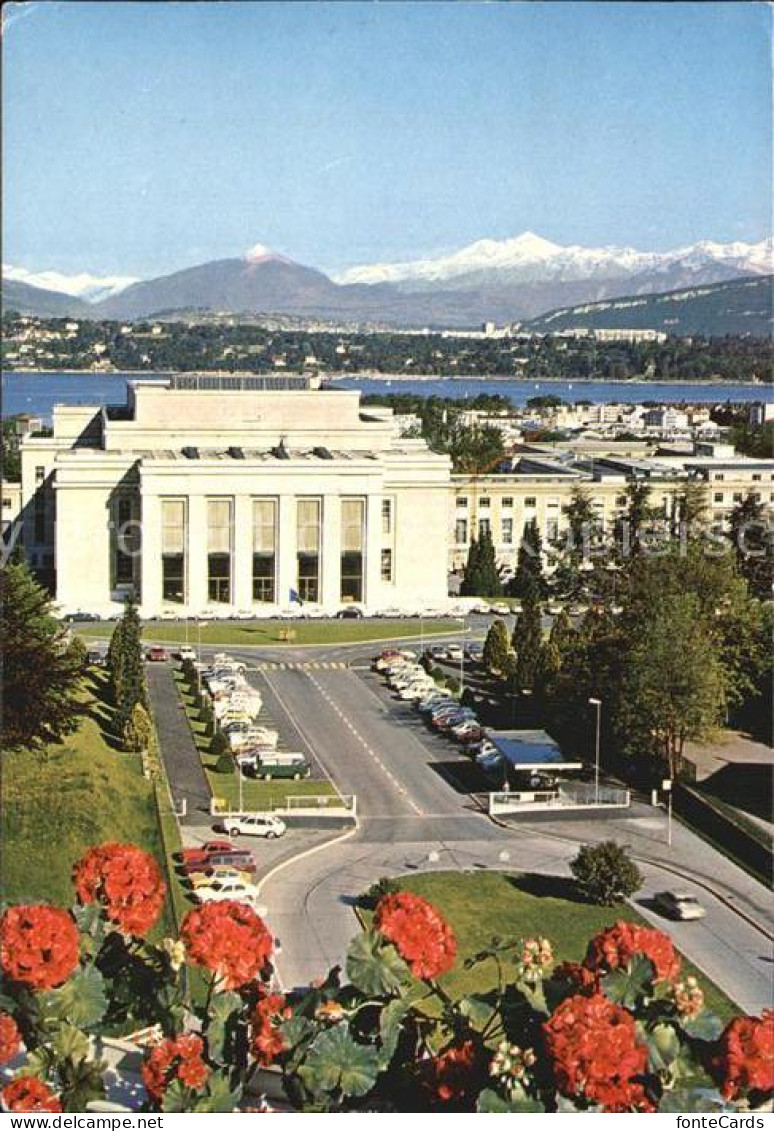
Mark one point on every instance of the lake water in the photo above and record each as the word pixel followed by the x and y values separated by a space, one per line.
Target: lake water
pixel 37 393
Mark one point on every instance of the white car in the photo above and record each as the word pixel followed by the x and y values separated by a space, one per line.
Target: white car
pixel 254 824
pixel 482 608
pixel 414 690
pixel 186 652
pixel 500 609
pixel 227 888
pixel 454 652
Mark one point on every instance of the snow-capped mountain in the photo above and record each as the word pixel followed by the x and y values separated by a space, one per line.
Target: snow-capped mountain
pixel 92 288
pixel 530 259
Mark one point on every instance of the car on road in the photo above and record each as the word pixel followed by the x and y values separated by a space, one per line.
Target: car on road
pixel 454 652
pixel 239 890
pixel 156 654
pixel 96 658
pixel 254 824
pixel 186 652
pixel 352 612
pixel 678 905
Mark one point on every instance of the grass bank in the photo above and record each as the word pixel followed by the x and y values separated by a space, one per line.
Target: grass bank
pixel 273 632
pixel 481 905
pixel 73 795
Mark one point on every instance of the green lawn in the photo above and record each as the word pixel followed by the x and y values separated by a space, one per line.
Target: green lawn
pixel 481 905
pixel 256 795
pixel 271 632
pixel 74 795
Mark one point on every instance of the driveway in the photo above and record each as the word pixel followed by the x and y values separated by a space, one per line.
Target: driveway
pixel 187 779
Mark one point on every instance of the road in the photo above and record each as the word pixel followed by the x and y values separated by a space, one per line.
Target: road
pixel 414 816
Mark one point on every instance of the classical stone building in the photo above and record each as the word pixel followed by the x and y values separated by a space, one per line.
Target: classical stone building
pixel 234 494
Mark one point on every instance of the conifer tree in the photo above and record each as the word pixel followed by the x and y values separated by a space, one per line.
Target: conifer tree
pixel 137 734
pixel 529 582
pixel 470 579
pixel 527 643
pixel 496 648
pixel 488 577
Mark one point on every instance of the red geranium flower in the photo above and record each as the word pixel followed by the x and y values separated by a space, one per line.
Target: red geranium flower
pixel 419 933
pixel 745 1062
pixel 617 945
pixel 178 1059
pixel 10 1038
pixel 126 881
pixel 452 1076
pixel 267 1041
pixel 579 978
pixel 593 1048
pixel 38 945
pixel 27 1093
pixel 229 939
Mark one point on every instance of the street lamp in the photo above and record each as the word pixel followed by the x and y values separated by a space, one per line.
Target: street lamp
pixel 598 704
pixel 666 785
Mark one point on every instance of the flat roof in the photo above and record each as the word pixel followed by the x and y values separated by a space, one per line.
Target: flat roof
pixel 530 750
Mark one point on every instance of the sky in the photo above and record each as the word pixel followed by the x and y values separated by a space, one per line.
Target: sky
pixel 140 138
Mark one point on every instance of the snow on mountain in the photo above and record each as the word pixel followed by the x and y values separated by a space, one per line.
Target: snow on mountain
pixel 529 258
pixel 92 288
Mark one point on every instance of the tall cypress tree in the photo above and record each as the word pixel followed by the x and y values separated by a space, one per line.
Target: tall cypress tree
pixel 489 578
pixel 527 643
pixel 528 582
pixel 470 578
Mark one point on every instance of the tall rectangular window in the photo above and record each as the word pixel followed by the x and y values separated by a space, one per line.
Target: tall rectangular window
pixel 219 523
pixel 308 515
pixel 484 527
pixel 461 531
pixel 386 516
pixel 352 526
pixel 126 541
pixel 40 515
pixel 507 525
pixel 264 550
pixel 386 565
pixel 173 539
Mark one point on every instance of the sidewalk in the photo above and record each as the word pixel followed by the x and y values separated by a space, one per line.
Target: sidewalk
pixel 187 779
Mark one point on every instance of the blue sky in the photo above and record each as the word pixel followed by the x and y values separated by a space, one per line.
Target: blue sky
pixel 143 137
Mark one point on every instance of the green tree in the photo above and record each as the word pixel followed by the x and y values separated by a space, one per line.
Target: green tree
pixel 41 675
pixel 605 873
pixel 527 642
pixel 690 508
pixel 137 733
pixel 488 577
pixel 471 578
pixel 632 526
pixel 496 648
pixel 751 533
pixel 528 582
pixel 672 685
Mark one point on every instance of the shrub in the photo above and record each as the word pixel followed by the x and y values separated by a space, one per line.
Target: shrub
pixel 605 873
pixel 453 685
pixel 137 734
pixel 224 764
pixel 219 744
pixel 78 652
pixel 384 886
pixel 438 674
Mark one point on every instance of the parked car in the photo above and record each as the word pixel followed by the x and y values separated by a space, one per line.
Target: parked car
pixel 222 872
pixel 207 849
pixel 501 609
pixel 96 658
pixel 679 905
pixel 475 652
pixel 241 859
pixel 290 765
pixel 239 890
pixel 156 654
pixel 454 652
pixel 352 612
pixel 436 651
pixel 255 824
pixel 186 652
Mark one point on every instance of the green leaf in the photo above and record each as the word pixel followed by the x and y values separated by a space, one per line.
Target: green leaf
pixel 82 1000
pixel 219 1095
pixel 705 1027
pixel 390 1024
pixel 337 1063
pixel 375 967
pixel 477 1009
pixel 176 1098
pixel 222 1016
pixel 663 1047
pixel 694 1100
pixel 491 1102
pixel 626 987
pixel 70 1043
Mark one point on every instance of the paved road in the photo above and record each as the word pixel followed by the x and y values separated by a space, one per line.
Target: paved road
pixel 187 779
pixel 410 808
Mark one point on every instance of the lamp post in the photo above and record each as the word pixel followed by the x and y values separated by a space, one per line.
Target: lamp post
pixel 598 704
pixel 666 785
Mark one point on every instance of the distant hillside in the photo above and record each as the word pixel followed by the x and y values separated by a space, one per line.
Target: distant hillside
pixel 740 306
pixel 25 299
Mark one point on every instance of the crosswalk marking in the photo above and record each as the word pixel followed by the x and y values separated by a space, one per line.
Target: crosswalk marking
pixel 301 666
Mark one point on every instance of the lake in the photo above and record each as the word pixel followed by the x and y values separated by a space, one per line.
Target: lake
pixel 37 393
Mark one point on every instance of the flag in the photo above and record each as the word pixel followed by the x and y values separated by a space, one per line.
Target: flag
pixel 295 597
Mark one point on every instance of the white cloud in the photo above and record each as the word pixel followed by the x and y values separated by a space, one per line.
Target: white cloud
pixel 85 286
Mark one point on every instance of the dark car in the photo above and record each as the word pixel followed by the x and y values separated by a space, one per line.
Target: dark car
pixel 350 613
pixel 95 658
pixel 82 617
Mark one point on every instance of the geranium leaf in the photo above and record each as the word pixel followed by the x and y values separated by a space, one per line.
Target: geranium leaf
pixel 390 1023
pixel 477 1010
pixel 491 1102
pixel 626 987
pixel 69 1042
pixel 663 1047
pixel 219 1096
pixel 337 1063
pixel 705 1027
pixel 375 967
pixel 223 1009
pixel 694 1100
pixel 175 1098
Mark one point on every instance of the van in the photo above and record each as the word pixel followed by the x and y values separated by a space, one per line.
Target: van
pixel 293 766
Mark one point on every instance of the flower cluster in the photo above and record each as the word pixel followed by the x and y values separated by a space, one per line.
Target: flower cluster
pixel 592 1043
pixel 746 1058
pixel 535 959
pixel 688 997
pixel 510 1066
pixel 27 1093
pixel 452 1076
pixel 578 977
pixel 179 1059
pixel 38 945
pixel 617 945
pixel 266 1040
pixel 126 881
pixel 229 939
pixel 10 1038
pixel 419 933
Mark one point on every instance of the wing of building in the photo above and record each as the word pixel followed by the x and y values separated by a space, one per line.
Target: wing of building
pixel 234 494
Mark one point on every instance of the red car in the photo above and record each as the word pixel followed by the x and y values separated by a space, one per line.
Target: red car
pixel 216 852
pixel 206 849
pixel 156 654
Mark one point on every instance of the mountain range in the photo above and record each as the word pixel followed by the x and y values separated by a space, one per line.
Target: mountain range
pixel 490 280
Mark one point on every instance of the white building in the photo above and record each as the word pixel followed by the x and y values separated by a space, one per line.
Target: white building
pixel 234 494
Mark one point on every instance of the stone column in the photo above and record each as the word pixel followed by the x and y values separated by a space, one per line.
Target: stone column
pixel 196 553
pixel 330 552
pixel 150 579
pixel 373 551
pixel 287 573
pixel 242 560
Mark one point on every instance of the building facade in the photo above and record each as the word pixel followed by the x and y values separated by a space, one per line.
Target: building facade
pixel 231 494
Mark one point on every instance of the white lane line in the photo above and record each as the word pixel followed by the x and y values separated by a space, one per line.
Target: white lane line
pixel 371 753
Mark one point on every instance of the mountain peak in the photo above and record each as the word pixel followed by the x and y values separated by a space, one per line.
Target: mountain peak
pixel 259 253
